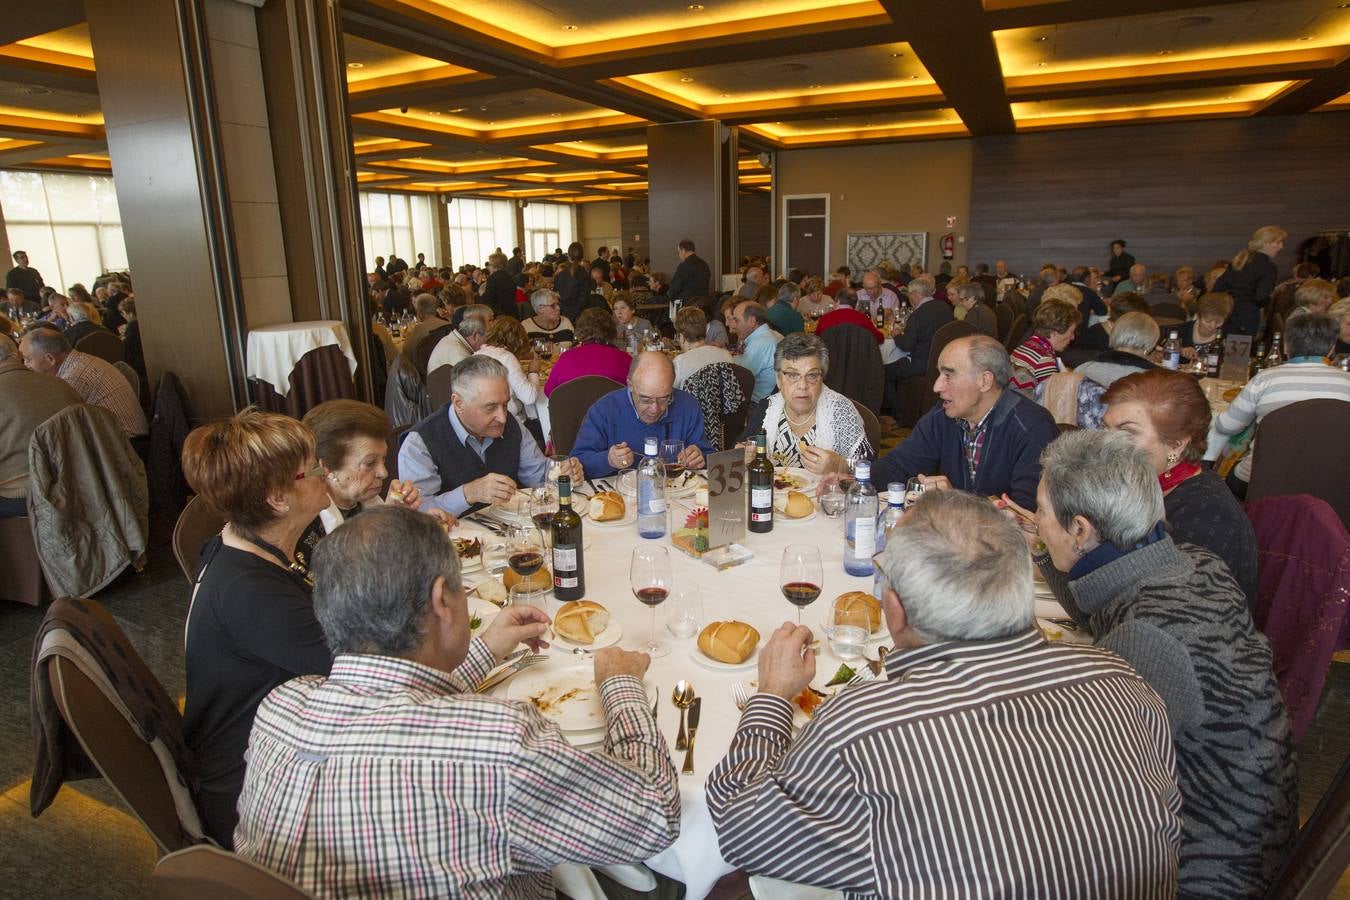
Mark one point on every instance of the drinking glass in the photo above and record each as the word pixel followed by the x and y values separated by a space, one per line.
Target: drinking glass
pixel 914 489
pixel 846 641
pixel 649 575
pixel 833 500
pixel 525 550
pixel 526 594
pixel 627 484
pixel 684 613
pixel 801 575
pixel 543 506
pixel 671 448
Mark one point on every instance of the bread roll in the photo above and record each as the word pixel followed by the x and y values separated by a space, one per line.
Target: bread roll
pixel 798 505
pixel 580 621
pixel 607 506
pixel 543 579
pixel 728 642
pixel 492 591
pixel 858 608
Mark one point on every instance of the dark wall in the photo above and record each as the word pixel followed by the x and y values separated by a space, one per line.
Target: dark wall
pixel 753 234
pixel 633 216
pixel 1180 194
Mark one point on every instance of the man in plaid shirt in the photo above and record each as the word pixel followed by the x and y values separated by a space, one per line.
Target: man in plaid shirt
pixel 390 777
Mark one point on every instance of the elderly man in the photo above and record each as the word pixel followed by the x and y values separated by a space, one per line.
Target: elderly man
pixel 17 305
pixel 548 322
pixel 981 437
pixel 758 342
pixel 407 781
pixel 96 381
pixel 913 344
pixel 616 427
pixel 692 277
pixel 464 341
pixel 58 311
pixel 426 308
pixel 82 324
pixel 25 278
pixel 1033 752
pixel 782 312
pixel 472 452
pixel 1137 282
pixel 27 399
pixel 393 299
pixel 875 295
pixel 753 281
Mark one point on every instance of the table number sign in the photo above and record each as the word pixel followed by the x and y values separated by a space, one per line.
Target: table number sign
pixel 1237 356
pixel 726 497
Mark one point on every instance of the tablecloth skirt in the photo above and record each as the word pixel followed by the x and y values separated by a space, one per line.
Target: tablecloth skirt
pixel 321 374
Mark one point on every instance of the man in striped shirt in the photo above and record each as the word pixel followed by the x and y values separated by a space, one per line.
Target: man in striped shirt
pixel 1305 375
pixel 989 763
pixel 391 778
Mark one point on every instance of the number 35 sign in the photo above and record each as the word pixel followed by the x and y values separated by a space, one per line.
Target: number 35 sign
pixel 726 497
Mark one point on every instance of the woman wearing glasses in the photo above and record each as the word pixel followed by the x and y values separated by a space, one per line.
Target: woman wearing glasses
pixel 250 623
pixel 807 424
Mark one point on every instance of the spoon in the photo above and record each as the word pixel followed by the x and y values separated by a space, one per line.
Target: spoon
pixel 683 697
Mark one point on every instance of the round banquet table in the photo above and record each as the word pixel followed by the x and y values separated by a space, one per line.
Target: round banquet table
pixel 749 593
pixel 295 366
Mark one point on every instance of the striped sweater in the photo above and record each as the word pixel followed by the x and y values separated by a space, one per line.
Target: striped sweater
pixel 1177 615
pixel 1267 392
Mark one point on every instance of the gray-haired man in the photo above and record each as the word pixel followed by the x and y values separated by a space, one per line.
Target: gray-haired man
pixel 990 761
pixel 464 341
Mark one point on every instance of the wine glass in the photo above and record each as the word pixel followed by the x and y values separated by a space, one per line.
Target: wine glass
pixel 671 448
pixel 801 575
pixel 525 553
pixel 650 576
pixel 833 500
pixel 543 507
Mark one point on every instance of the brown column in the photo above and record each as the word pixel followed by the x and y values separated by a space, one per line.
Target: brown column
pixel 691 193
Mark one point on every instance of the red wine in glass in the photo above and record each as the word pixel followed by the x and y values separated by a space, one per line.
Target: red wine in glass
pixel 801 593
pixel 544 520
pixel 654 596
pixel 525 562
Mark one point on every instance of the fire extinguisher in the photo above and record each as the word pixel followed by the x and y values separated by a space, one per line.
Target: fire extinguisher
pixel 948 245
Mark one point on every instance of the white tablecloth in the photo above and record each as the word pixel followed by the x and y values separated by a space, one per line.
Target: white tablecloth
pixel 274 350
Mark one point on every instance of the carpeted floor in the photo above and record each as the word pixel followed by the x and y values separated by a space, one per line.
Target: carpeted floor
pixel 86 844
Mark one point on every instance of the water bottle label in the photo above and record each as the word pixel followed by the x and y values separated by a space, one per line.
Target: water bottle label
pixel 1172 360
pixel 654 505
pixel 864 539
pixel 565 559
pixel 761 497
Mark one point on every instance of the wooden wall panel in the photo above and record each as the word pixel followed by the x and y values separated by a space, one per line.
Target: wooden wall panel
pixel 1184 193
pixel 633 216
pixel 753 236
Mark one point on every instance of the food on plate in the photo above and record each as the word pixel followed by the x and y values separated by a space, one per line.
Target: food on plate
pixel 543 579
pixel 783 481
pixel 843 676
pixel 580 621
pixel 551 700
pixel 492 591
pixel 808 700
pixel 607 506
pixel 1231 394
pixel 467 548
pixel 793 504
pixel 728 642
pixel 858 608
pixel 475 622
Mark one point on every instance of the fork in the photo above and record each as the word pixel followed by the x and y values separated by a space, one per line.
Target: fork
pixel 740 694
pixel 519 665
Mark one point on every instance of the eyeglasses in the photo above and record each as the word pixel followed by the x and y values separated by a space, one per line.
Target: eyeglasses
pixel 316 472
pixel 813 377
pixel 655 401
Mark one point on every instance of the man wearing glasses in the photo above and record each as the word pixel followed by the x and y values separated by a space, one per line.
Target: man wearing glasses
pixel 615 428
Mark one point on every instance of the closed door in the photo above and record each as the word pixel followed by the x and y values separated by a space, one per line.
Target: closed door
pixel 807 220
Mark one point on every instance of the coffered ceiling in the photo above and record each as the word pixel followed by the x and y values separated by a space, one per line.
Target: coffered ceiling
pixel 552 98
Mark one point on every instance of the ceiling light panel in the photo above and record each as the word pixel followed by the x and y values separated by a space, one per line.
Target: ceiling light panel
pixel 378 61
pixel 517 109
pixel 1230 100
pixel 863 126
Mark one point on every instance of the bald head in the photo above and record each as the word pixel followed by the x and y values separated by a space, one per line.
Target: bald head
pixel 651 383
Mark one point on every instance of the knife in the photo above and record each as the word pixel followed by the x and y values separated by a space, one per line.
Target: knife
pixel 688 767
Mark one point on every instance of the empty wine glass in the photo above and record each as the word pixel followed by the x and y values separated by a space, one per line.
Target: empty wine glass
pixel 649 574
pixel 801 575
pixel 833 500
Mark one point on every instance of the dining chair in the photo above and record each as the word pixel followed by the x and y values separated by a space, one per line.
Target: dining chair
pixel 1294 453
pixel 103 344
pixel 734 423
pixel 871 426
pixel 1321 852
pixel 1015 333
pixel 393 445
pixel 1003 314
pixel 196 524
pixel 568 405
pixel 953 330
pixel 438 385
pixel 1168 312
pixel 855 365
pixel 130 375
pixel 205 872
pixel 23 581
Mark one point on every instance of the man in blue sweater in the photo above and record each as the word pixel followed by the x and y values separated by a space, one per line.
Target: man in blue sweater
pixel 615 428
pixel 981 437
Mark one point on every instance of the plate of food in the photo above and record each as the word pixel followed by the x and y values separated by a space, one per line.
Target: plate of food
pixel 857 608
pixel 585 623
pixel 481 614
pixel 566 696
pixel 490 590
pixel 610 510
pixel 726 646
pixel 791 478
pixel 793 506
pixel 469 548
pixel 686 484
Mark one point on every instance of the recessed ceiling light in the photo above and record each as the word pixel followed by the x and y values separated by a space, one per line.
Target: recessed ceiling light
pixel 1164 52
pixel 356 65
pixel 569 28
pixel 434 113
pixel 695 7
pixel 457 109
pixel 1042 65
pixel 556 115
pixel 1230 97
pixel 1042 39
pixel 726 95
pixel 913 77
pixel 1306 37
pixel 813 87
pixel 482 109
pixel 686 79
pixel 896 55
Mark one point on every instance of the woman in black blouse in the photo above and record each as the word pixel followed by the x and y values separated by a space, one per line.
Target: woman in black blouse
pixel 1168 416
pixel 250 624
pixel 1251 279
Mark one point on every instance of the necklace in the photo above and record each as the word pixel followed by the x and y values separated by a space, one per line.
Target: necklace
pixel 794 423
pixel 293 567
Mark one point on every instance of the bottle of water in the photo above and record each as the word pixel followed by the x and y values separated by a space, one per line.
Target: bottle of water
pixel 1171 356
pixel 895 509
pixel 860 523
pixel 651 493
pixel 1274 357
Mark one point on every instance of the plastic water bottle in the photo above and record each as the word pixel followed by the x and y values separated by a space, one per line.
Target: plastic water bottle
pixel 1171 355
pixel 651 493
pixel 860 523
pixel 895 510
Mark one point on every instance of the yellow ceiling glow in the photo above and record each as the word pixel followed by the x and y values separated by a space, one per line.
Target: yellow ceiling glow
pixel 860 125
pixel 73 42
pixel 379 62
pixel 1231 100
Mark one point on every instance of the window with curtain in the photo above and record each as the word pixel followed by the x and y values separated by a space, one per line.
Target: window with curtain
pixel 398 223
pixel 548 227
pixel 69 225
pixel 478 227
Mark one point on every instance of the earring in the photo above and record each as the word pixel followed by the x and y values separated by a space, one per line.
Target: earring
pixel 1172 457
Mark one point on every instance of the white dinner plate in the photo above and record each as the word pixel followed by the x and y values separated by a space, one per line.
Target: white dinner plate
pixel 565 695
pixel 484 610
pixel 629 517
pixel 681 488
pixel 808 480
pixel 782 519
pixel 612 634
pixel 708 662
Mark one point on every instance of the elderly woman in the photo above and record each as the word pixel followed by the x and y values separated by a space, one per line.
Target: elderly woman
pixel 1211 312
pixel 593 354
pixel 1054 323
pixel 1178 617
pixel 548 323
pixel 1098 336
pixel 250 624
pixel 1340 311
pixel 1167 415
pixel 691 331
pixel 633 330
pixel 1133 337
pixel 1251 279
pixel 807 424
pixel 969 296
pixel 1186 290
pixel 351 440
pixel 506 342
pixel 814 302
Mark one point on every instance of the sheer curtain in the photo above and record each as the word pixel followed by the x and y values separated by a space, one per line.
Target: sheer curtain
pixel 398 223
pixel 69 225
pixel 478 227
pixel 548 227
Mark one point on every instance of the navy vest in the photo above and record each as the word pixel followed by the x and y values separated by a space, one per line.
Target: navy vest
pixel 456 463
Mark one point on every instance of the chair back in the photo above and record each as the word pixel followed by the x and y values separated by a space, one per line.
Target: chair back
pixel 394 444
pixel 923 397
pixel 720 393
pixel 23 581
pixel 1015 332
pixel 426 346
pixel 569 403
pixel 1321 852
pixel 734 422
pixel 855 364
pixel 871 426
pixel 1291 455
pixel 130 375
pixel 197 523
pixel 103 344
pixel 1167 313
pixel 1003 314
pixel 205 872
pixel 438 385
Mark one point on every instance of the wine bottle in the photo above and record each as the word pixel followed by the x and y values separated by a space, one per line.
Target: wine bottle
pixel 1214 355
pixel 569 568
pixel 761 489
